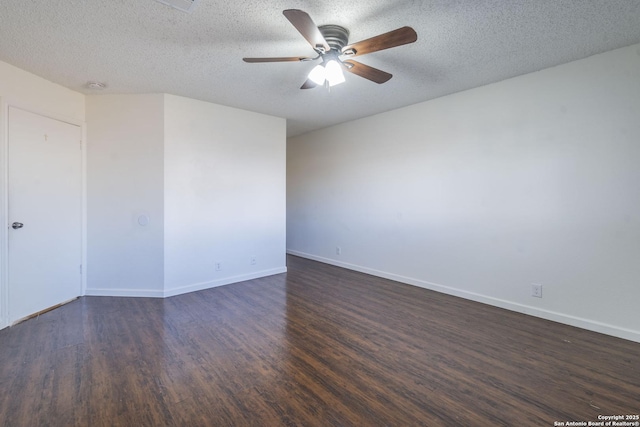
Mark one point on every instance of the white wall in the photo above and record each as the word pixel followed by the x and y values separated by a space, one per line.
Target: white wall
pixel 211 180
pixel 35 93
pixel 28 91
pixel 124 181
pixel 479 194
pixel 224 194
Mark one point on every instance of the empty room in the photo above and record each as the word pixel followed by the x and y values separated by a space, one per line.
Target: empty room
pixel 287 213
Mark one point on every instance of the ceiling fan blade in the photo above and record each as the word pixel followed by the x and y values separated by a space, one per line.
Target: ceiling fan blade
pixel 370 73
pixel 308 84
pixel 404 35
pixel 309 30
pixel 278 59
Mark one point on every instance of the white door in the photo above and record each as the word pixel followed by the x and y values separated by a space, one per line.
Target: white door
pixel 45 212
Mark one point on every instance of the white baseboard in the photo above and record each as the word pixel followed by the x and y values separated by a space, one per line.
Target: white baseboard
pixel 104 292
pixel 567 319
pixel 183 289
pixel 221 282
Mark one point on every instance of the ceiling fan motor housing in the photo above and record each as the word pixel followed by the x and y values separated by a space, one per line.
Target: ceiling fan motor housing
pixel 336 36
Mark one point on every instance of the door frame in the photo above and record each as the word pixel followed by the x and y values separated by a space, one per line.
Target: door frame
pixel 5 104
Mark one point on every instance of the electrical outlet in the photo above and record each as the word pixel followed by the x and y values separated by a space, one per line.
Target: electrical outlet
pixel 338 250
pixel 536 290
pixel 253 260
pixel 218 265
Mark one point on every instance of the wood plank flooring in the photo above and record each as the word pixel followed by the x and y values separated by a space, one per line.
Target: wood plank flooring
pixel 318 346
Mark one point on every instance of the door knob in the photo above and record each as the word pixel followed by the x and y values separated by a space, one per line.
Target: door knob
pixel 17 225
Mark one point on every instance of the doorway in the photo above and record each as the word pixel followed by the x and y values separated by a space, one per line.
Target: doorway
pixel 44 212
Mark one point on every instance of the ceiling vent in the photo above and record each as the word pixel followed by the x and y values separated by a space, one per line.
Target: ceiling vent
pixel 183 5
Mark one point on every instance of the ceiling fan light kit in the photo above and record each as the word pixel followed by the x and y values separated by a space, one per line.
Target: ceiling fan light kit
pixel 334 73
pixel 329 72
pixel 318 74
pixel 331 42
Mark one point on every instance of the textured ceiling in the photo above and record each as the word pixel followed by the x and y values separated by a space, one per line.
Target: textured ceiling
pixel 142 46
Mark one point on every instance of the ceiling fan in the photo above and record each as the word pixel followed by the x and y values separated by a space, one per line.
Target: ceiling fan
pixel 330 43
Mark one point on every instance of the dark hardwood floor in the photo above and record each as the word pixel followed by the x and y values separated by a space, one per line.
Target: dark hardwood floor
pixel 319 346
